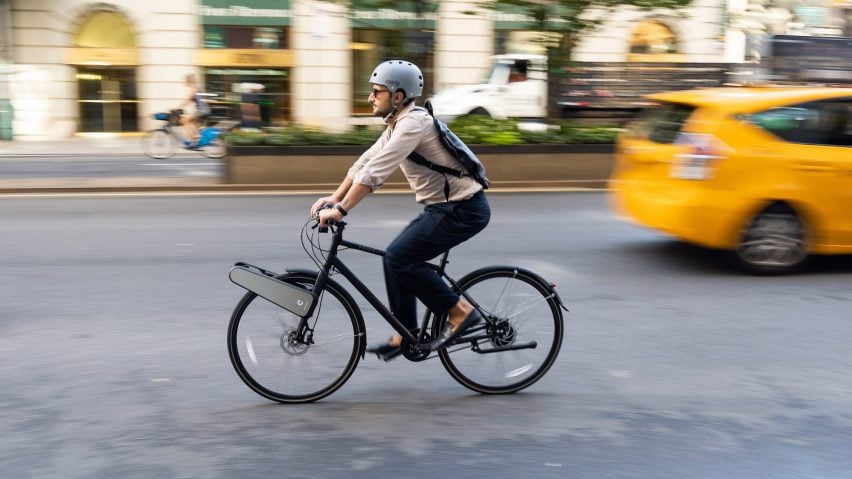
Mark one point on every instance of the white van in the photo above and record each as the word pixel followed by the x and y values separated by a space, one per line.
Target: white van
pixel 516 87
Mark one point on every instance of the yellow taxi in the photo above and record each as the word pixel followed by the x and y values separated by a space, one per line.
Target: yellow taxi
pixel 765 172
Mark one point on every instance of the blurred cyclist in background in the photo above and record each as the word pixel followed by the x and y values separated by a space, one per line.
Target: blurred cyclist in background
pixel 195 109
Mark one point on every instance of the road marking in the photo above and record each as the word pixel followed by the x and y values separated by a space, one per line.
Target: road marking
pixel 552 464
pixel 160 380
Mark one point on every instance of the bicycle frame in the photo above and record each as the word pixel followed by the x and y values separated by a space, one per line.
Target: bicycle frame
pixel 334 263
pixel 206 134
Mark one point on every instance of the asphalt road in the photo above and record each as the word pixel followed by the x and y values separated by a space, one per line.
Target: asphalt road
pixel 114 364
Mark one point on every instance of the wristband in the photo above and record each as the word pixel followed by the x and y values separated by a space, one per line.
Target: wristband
pixel 341 209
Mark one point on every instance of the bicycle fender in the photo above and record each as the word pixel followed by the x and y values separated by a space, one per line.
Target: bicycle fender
pixel 547 285
pixel 296 300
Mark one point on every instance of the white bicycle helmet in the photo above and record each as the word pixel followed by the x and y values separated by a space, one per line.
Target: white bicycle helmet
pixel 399 75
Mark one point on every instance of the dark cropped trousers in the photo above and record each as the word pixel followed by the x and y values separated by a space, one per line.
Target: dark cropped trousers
pixel 438 228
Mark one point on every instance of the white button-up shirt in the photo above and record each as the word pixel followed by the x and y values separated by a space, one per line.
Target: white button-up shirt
pixel 412 130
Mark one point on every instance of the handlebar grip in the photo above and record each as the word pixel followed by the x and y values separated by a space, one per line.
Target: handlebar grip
pixel 325 206
pixel 330 222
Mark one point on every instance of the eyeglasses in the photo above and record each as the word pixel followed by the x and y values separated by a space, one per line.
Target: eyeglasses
pixel 374 93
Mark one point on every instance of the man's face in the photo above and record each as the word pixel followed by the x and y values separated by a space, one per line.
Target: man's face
pixel 380 100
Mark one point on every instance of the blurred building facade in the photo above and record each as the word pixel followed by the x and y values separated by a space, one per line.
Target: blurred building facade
pixel 77 66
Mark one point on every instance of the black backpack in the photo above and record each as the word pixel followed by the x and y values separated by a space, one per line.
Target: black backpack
pixel 458 150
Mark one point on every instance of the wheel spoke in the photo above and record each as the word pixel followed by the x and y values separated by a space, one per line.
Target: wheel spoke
pixel 333 339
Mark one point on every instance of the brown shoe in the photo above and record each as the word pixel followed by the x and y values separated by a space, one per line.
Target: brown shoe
pixel 448 333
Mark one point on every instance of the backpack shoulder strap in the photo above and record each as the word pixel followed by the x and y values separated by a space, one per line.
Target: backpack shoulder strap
pixel 420 160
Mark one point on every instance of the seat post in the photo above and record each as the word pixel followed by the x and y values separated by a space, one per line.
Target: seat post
pixel 443 262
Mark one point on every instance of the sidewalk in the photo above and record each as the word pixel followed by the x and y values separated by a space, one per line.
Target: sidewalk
pixel 98 145
pixel 89 145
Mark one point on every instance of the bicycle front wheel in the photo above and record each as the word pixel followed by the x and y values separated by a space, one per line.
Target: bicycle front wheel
pixel 159 144
pixel 270 358
pixel 519 340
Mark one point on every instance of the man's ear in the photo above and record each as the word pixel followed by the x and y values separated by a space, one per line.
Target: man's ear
pixel 398 97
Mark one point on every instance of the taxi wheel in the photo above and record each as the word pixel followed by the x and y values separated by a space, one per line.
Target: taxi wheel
pixel 775 241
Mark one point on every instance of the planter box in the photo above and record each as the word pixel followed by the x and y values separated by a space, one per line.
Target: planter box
pixel 517 166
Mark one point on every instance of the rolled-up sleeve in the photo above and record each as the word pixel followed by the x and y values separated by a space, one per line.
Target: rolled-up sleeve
pixel 358 166
pixel 377 163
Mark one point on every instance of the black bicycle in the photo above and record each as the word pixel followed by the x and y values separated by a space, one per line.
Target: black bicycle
pixel 297 337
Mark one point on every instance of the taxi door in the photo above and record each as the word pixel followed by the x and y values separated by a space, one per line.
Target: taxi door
pixel 821 162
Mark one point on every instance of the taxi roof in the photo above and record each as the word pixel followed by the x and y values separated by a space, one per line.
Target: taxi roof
pixel 745 98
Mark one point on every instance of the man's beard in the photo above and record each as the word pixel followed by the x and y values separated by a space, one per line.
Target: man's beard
pixel 381 112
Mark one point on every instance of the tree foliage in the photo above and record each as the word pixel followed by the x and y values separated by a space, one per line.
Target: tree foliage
pixel 574 19
pixel 571 19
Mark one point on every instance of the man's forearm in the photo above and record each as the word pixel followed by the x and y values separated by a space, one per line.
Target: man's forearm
pixel 341 190
pixel 356 192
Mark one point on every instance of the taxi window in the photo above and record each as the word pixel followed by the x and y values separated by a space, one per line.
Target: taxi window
pixel 660 123
pixel 827 122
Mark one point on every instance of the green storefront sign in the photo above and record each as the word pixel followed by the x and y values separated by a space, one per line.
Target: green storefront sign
pixel 406 15
pixel 272 13
pixel 372 14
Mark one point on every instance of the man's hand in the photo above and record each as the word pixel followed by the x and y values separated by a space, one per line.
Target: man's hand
pixel 329 214
pixel 328 200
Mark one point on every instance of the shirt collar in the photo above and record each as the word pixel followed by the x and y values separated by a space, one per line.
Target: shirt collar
pixel 401 113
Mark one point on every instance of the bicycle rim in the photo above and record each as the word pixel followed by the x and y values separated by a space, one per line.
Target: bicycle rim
pixel 266 358
pixel 216 149
pixel 521 311
pixel 159 144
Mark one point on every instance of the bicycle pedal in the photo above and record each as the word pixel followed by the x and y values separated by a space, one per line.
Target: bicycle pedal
pixel 390 355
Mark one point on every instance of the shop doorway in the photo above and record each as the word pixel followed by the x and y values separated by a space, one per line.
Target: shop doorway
pixel 106 57
pixel 108 101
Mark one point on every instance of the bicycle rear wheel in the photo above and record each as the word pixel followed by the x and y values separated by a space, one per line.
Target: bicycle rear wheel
pixel 269 358
pixel 216 149
pixel 519 340
pixel 159 144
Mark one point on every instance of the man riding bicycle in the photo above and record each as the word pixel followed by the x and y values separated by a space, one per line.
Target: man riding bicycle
pixel 456 208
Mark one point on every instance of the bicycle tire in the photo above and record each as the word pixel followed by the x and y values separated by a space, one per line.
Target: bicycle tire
pixel 289 373
pixel 216 149
pixel 520 308
pixel 159 144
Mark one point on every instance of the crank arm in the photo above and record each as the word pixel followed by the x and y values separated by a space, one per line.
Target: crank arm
pixel 511 347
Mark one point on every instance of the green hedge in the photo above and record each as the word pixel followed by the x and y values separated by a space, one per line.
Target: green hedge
pixel 295 135
pixel 474 130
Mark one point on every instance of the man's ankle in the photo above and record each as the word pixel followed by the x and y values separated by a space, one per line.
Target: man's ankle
pixel 459 311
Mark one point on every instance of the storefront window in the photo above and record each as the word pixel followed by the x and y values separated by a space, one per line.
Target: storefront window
pixel 372 46
pixel 268 88
pixel 229 36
